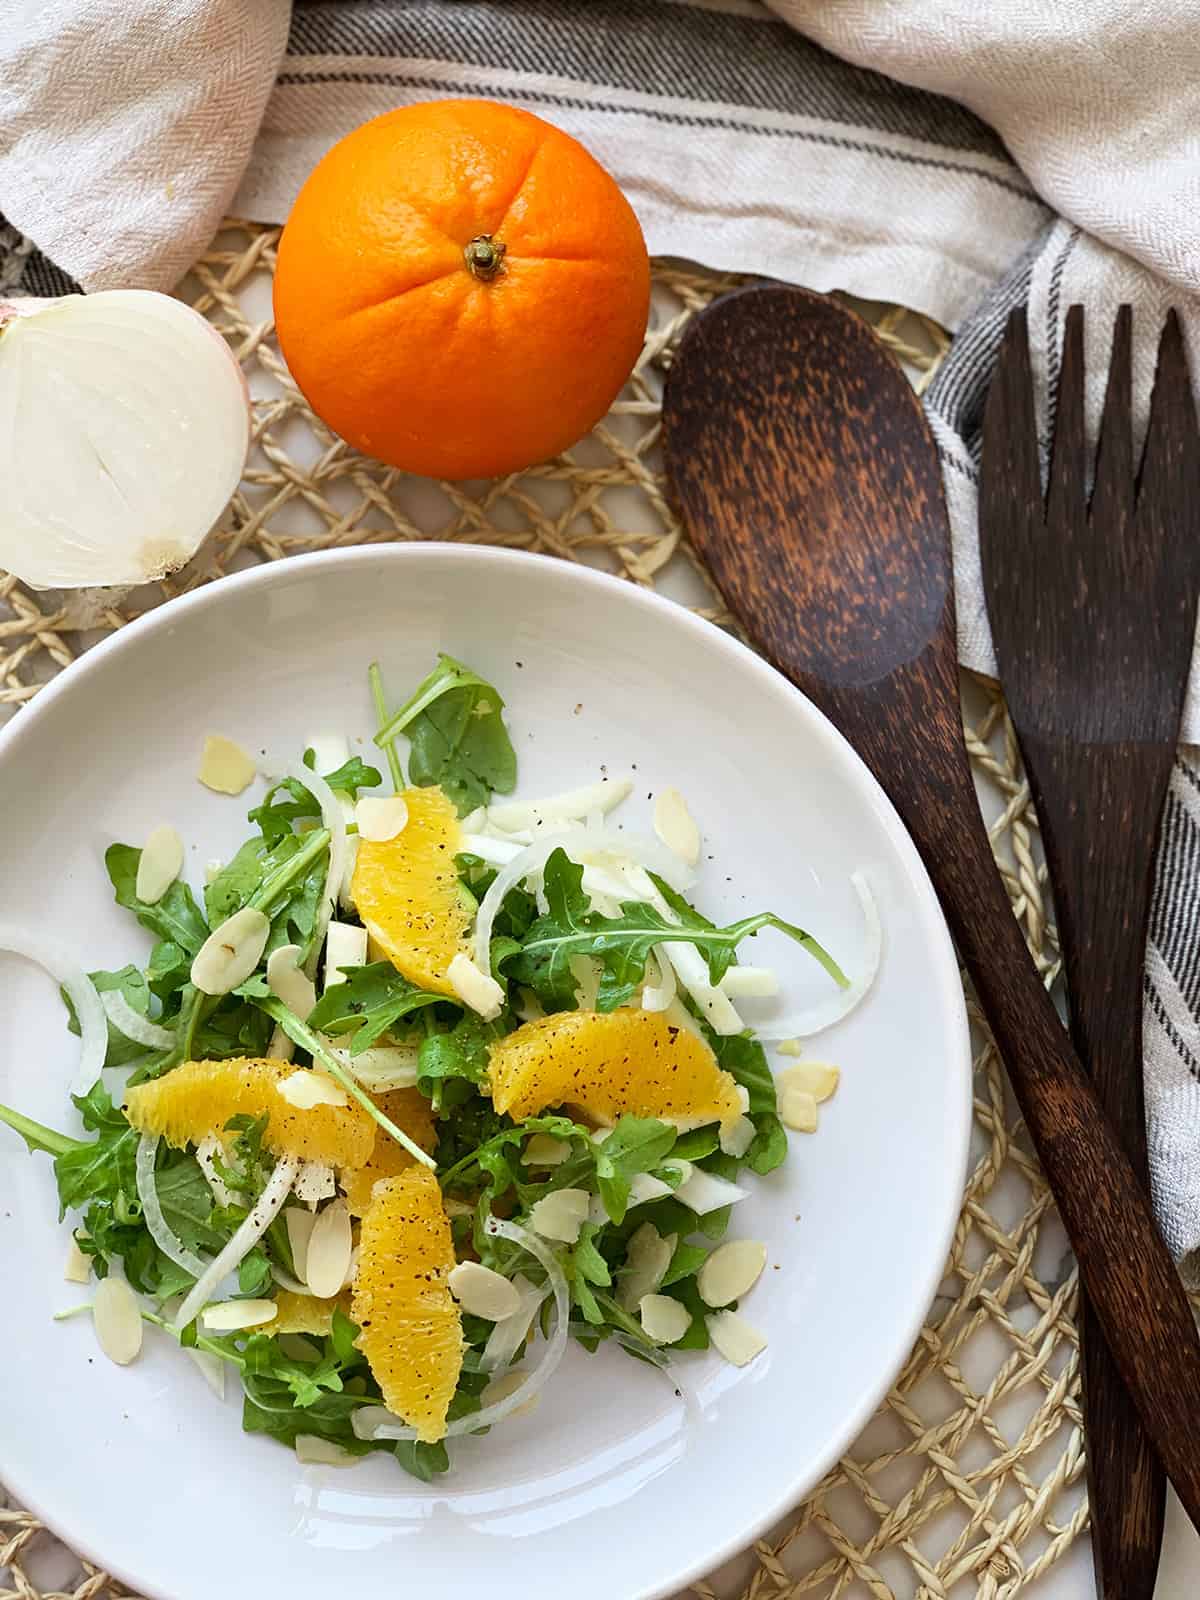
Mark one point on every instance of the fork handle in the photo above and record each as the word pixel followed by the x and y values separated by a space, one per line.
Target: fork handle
pixel 1099 808
pixel 1134 1287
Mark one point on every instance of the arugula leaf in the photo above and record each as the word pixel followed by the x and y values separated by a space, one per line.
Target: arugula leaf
pixel 457 736
pixel 745 1059
pixel 624 942
pixel 685 1263
pixel 491 1157
pixel 423 1461
pixel 697 1143
pixel 768 1149
pixel 588 1262
pixel 187 1202
pixel 102 1168
pixel 453 1065
pixel 688 1295
pixel 351 776
pixel 368 1003
pixel 636 1144
pixel 285 880
pixel 168 970
pixel 175 917
pixel 36 1135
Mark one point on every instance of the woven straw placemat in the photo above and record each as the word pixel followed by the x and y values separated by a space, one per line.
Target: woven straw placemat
pixel 969 1479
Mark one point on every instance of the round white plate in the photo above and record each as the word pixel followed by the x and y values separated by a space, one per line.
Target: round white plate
pixel 616 1485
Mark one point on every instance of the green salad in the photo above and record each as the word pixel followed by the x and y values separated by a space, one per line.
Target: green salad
pixel 422 1084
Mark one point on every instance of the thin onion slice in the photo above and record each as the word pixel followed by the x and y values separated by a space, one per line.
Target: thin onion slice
pixel 263 1213
pixel 57 963
pixel 803 1024
pixel 577 842
pixel 152 1213
pixel 334 818
pixel 373 1422
pixel 133 1025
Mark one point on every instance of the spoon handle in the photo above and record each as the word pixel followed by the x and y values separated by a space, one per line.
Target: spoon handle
pixel 1133 1286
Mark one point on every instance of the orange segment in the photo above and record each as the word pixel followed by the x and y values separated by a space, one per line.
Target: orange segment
pixel 304 1313
pixel 411 1325
pixel 407 894
pixel 411 1112
pixel 609 1063
pixel 199 1097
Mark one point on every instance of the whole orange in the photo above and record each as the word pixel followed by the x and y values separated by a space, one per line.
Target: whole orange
pixel 461 289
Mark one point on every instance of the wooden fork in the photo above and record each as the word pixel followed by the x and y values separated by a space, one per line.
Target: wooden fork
pixel 1092 600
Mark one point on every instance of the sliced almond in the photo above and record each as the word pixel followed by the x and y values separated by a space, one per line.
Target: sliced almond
pixel 647 1258
pixel 225 766
pixel 734 1338
pixel 561 1214
pixel 231 952
pixel 118 1320
pixel 816 1078
pixel 500 1389
pixel 703 1192
pixel 644 1186
pixel 345 946
pixel 474 988
pixel 314 1182
pixel 159 865
pixel 544 1150
pixel 663 1319
pixel 288 981
pixel 798 1110
pixel 675 826
pixel 329 1248
pixel 227 1316
pixel 482 1292
pixel 77 1268
pixel 299 1225
pixel 308 1087
pixel 737 1137
pixel 313 1451
pixel 382 819
pixel 731 1271
pixel 790 1047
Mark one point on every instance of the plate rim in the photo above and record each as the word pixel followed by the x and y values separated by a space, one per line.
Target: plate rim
pixel 943 961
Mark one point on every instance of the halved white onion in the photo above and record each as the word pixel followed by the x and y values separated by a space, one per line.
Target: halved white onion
pixel 374 1422
pixel 263 1213
pixel 842 1002
pixel 152 1213
pixel 133 1025
pixel 56 962
pixel 124 425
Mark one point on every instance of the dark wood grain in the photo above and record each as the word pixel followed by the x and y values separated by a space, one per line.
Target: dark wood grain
pixel 1093 610
pixel 810 484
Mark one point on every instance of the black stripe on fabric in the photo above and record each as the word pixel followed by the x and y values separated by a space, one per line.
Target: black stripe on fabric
pixel 25 270
pixel 1175 909
pixel 642 45
pixel 404 80
pixel 958 393
pixel 1183 1051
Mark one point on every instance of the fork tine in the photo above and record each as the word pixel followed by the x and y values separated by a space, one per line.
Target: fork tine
pixel 1066 496
pixel 1011 465
pixel 1171 459
pixel 1113 493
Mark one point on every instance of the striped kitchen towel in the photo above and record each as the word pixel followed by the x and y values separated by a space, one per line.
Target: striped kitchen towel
pixel 834 143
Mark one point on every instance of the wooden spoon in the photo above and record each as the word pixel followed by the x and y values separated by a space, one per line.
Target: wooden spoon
pixel 810 485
